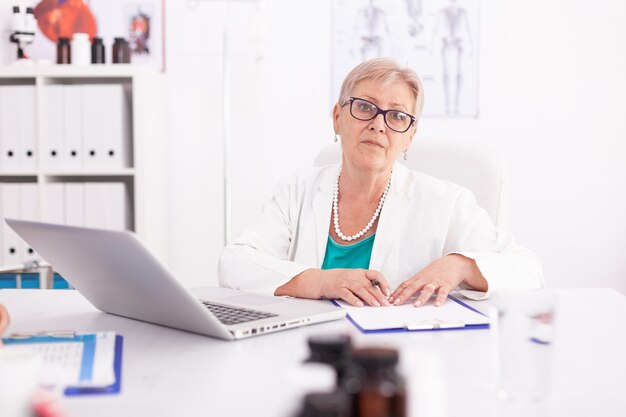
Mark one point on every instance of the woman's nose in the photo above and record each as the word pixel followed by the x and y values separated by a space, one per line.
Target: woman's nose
pixel 378 124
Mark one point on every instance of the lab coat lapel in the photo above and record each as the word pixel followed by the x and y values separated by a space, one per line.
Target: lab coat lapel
pixel 392 218
pixel 322 206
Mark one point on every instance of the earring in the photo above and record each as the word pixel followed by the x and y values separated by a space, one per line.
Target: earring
pixel 336 138
pixel 405 157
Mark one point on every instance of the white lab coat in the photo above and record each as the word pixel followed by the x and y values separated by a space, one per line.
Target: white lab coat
pixel 423 219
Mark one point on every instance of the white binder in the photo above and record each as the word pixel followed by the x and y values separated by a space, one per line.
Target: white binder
pixel 117 149
pixel 9 128
pixel 53 129
pixel 11 209
pixel 27 122
pixel 53 203
pixel 72 157
pixel 1 228
pixel 75 204
pixel 94 205
pixel 97 109
pixel 28 210
pixel 116 207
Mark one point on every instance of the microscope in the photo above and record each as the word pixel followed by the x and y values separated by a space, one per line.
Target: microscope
pixel 23 27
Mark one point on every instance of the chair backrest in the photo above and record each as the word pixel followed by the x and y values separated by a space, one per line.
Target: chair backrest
pixel 472 165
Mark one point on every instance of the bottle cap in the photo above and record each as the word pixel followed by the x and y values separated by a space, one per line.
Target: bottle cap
pixel 375 357
pixel 120 40
pixel 63 41
pixel 16 9
pixel 97 40
pixel 329 349
pixel 29 10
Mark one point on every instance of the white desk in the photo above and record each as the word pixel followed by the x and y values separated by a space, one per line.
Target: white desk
pixel 172 373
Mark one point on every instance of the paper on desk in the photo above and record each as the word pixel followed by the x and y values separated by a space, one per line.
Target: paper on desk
pixel 451 314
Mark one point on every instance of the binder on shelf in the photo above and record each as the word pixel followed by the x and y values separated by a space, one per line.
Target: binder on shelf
pixel 30 280
pixel 72 156
pixel 117 149
pixel 11 209
pixel 116 207
pixel 53 203
pixel 27 113
pixel 95 129
pixel 1 229
pixel 28 210
pixel 9 128
pixel 75 204
pixel 3 126
pixel 95 215
pixel 53 130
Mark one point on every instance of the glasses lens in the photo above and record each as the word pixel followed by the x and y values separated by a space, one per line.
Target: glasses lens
pixel 397 120
pixel 362 109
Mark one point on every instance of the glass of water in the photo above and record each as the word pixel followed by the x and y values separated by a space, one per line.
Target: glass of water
pixel 525 334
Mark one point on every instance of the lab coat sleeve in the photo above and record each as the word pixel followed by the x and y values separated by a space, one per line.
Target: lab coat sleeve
pixel 259 260
pixel 504 264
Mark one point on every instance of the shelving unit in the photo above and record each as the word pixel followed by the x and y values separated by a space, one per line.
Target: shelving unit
pixel 145 178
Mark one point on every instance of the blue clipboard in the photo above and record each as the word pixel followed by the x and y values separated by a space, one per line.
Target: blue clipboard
pixel 434 329
pixel 116 387
pixel 89 345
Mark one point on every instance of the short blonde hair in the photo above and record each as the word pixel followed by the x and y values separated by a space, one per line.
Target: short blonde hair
pixel 387 71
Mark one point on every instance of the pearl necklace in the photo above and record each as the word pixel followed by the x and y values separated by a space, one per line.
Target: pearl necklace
pixel 369 224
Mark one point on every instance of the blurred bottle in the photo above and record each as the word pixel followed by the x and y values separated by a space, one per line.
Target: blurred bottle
pixel 373 384
pixel 31 22
pixel 333 351
pixel 121 51
pixel 17 21
pixel 332 404
pixel 80 49
pixel 64 51
pixel 97 51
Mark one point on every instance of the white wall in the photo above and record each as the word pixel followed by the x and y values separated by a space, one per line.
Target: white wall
pixel 551 101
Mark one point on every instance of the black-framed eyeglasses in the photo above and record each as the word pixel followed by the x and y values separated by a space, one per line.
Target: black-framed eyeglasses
pixel 396 120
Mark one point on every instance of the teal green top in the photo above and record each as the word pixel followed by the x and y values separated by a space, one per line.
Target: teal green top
pixel 353 256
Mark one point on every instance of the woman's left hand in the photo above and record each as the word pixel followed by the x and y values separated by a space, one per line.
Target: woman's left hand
pixel 440 276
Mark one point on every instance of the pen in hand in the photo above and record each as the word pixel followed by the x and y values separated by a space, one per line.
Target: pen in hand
pixel 386 293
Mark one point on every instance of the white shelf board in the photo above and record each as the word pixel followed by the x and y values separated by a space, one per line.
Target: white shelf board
pixel 76 71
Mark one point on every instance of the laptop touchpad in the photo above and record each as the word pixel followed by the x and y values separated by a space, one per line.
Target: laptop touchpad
pixel 252 300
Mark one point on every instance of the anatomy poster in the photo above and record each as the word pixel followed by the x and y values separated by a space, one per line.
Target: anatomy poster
pixel 139 22
pixel 437 38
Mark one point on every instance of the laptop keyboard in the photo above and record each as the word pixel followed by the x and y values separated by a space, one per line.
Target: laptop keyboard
pixel 235 315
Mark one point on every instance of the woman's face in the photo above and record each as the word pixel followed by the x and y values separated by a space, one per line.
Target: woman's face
pixel 371 144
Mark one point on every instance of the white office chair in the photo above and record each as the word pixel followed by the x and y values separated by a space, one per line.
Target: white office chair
pixel 469 164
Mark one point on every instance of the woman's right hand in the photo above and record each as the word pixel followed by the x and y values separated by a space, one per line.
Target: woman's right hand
pixel 358 287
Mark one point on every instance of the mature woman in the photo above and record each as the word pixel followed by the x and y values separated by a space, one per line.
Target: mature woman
pixel 370 231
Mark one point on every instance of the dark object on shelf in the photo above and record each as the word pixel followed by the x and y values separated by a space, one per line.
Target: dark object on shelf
pixel 97 51
pixel 64 51
pixel 121 51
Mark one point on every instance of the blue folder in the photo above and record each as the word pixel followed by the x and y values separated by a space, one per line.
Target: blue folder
pixel 111 389
pixel 89 341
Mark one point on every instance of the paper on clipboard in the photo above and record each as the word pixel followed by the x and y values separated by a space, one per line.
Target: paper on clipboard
pixel 81 361
pixel 452 314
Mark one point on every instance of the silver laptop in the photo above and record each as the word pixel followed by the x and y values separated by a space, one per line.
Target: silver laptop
pixel 118 275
